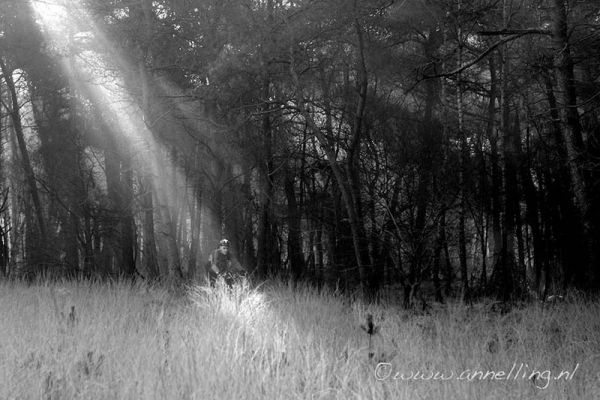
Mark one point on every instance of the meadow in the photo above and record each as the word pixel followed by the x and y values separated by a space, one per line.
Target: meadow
pixel 89 340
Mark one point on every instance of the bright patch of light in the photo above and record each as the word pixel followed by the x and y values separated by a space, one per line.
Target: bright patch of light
pixel 51 13
pixel 65 23
pixel 121 13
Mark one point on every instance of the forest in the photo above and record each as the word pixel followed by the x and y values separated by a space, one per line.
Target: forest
pixel 442 148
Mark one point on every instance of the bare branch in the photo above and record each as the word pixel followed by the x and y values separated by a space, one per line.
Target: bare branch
pixel 477 59
pixel 520 32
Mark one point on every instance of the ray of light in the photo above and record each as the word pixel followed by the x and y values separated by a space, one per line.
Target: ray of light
pixel 66 22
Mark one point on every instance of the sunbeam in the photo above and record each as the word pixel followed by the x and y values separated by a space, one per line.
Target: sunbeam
pixel 52 14
pixel 102 80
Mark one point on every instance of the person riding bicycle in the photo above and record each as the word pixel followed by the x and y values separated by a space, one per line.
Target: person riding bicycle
pixel 222 263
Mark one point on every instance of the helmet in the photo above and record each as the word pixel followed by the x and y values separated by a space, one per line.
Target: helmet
pixel 224 242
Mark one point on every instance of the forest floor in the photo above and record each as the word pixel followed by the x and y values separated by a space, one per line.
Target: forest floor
pixel 83 340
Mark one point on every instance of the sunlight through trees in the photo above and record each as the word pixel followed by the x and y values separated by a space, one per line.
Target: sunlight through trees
pixel 441 148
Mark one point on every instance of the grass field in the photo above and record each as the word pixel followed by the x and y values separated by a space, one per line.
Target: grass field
pixel 83 340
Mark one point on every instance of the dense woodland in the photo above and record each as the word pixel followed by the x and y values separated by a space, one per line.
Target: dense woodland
pixel 448 147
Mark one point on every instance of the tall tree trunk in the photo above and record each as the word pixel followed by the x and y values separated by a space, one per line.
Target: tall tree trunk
pixel 143 13
pixel 15 115
pixel 437 263
pixel 265 230
pixel 127 223
pixel 89 251
pixel 561 191
pixel 248 249
pixel 572 133
pixel 361 241
pixel 195 218
pixel 4 240
pixel 149 258
pixel 496 178
pixel 483 214
pixel 532 216
pixel 119 184
pixel 448 271
pixel 168 214
pixel 16 233
pixel 462 137
pixel 113 187
pixel 295 254
pixel 517 158
pixel 508 261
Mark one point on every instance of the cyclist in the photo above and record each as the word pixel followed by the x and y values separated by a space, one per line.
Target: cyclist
pixel 222 263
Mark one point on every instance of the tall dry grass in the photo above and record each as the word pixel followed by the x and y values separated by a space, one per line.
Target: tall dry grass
pixel 87 340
